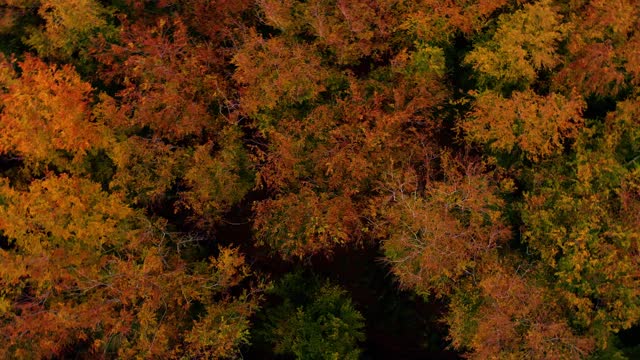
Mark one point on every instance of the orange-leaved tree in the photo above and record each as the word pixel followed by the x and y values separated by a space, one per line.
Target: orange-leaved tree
pixel 533 125
pixel 45 113
pixel 86 274
pixel 437 239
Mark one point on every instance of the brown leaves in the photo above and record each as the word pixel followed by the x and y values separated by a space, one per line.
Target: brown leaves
pixel 434 20
pixel 85 266
pixel 603 54
pixel 594 71
pixel 305 223
pixel 350 30
pixel 514 318
pixel 437 239
pixel 539 126
pixel 274 72
pixel 217 19
pixel 169 81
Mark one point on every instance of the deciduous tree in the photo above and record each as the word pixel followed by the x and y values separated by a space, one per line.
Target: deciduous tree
pixel 87 272
pixel 46 114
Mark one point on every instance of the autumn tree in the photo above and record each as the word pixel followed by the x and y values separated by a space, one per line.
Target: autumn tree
pixel 157 66
pixel 506 314
pixel 69 27
pixel 46 115
pixel 348 107
pixel 583 224
pixel 488 150
pixel 533 125
pixel 85 271
pixel 523 44
pixel 217 180
pixel 438 238
pixel 602 50
pixel 178 138
pixel 438 21
pixel 576 227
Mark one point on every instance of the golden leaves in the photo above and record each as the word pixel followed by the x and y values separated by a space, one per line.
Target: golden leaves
pixel 437 21
pixel 69 25
pixel 524 43
pixel 85 263
pixel 539 126
pixel 61 212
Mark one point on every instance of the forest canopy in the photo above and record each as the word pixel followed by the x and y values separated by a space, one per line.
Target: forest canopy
pixel 319 179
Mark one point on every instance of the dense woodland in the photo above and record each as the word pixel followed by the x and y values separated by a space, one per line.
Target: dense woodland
pixel 320 179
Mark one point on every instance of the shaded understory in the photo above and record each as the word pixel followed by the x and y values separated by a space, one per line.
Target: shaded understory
pixel 398 324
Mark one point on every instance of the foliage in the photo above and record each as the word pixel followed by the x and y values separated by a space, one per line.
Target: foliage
pixel 538 126
pixel 524 43
pixel 601 60
pixel 585 228
pixel 509 316
pixel 161 159
pixel 69 28
pixel 304 224
pixel 439 238
pixel 46 112
pixel 315 320
pixel 169 81
pixel 85 268
pixel 219 181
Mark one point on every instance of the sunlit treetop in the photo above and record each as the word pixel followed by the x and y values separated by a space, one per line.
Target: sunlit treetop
pixel 45 111
pixel 538 126
pixel 524 43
